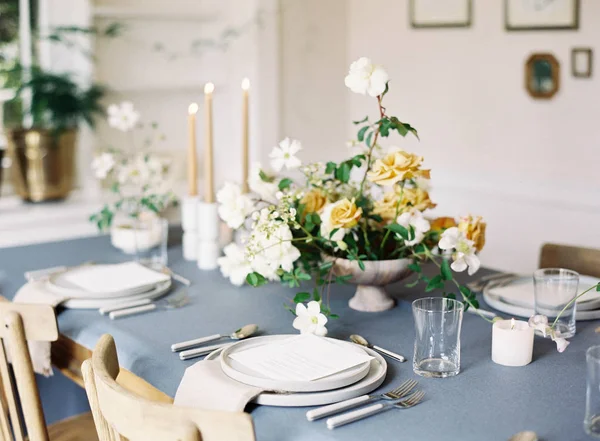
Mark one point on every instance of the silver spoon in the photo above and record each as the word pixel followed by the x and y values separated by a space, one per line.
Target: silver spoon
pixel 238 334
pixel 524 436
pixel 355 338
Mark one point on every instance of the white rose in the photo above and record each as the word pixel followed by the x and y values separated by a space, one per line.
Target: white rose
pixel 234 206
pixel 365 77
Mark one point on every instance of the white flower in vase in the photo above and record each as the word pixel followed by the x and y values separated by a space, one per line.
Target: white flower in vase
pixel 264 186
pixel 102 165
pixel 284 155
pixel 309 319
pixel 234 264
pixel 464 251
pixel 365 77
pixel 122 116
pixel 415 219
pixel 561 343
pixel 234 205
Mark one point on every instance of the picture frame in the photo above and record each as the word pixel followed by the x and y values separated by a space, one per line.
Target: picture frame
pixel 431 14
pixel 582 61
pixel 542 75
pixel 541 15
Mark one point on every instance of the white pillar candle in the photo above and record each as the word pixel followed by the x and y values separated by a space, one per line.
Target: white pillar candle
pixel 208 236
pixel 512 342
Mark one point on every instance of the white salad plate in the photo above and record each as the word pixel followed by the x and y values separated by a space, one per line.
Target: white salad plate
pixel 90 303
pixel 376 376
pixel 239 372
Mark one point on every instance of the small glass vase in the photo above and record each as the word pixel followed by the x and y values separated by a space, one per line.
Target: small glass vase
pixel 143 236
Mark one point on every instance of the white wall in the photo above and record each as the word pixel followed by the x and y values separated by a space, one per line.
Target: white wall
pixel 530 167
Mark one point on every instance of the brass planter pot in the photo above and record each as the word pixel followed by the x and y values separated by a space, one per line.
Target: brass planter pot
pixel 43 163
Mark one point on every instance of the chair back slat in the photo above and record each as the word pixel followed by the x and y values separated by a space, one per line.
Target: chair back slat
pixel 585 261
pixel 133 418
pixel 9 393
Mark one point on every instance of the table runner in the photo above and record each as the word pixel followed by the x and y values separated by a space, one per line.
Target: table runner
pixel 484 402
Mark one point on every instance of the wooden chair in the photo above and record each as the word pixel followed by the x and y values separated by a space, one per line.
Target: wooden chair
pixel 21 401
pixel 583 260
pixel 122 415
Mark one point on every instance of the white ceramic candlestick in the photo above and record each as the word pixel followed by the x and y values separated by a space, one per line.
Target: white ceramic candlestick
pixel 208 236
pixel 189 223
pixel 512 343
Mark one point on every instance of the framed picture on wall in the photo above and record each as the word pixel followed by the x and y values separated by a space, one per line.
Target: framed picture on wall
pixel 527 15
pixel 440 13
pixel 581 62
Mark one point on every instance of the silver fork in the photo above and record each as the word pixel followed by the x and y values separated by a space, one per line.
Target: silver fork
pixel 172 302
pixel 332 409
pixel 365 412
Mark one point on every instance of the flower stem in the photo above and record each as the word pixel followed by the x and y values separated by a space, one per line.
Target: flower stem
pixel 373 144
pixel 571 302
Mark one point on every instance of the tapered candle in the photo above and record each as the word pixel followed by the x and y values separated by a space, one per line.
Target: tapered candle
pixel 192 158
pixel 209 193
pixel 245 122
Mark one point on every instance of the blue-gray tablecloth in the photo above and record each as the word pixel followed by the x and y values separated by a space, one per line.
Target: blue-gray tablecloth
pixel 484 402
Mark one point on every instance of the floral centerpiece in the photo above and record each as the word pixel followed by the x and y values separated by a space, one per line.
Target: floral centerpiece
pixel 136 178
pixel 344 217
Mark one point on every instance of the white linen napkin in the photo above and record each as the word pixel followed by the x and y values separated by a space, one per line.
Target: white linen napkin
pixel 205 386
pixel 34 292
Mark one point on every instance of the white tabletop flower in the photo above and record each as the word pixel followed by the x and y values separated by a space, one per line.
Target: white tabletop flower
pixel 265 188
pixel 464 252
pixel 284 155
pixel 415 219
pixel 234 205
pixel 234 264
pixel 102 165
pixel 123 116
pixel 365 77
pixel 309 319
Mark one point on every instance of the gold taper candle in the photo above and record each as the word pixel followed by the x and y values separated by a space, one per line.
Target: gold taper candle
pixel 245 140
pixel 209 192
pixel 192 157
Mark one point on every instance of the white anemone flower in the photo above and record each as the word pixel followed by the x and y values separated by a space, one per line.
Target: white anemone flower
pixel 102 165
pixel 309 319
pixel 234 206
pixel 284 155
pixel 539 323
pixel 561 343
pixel 464 252
pixel 415 219
pixel 264 189
pixel 365 77
pixel 122 116
pixel 234 264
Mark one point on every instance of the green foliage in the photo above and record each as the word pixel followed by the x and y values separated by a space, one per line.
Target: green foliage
pixel 445 270
pixel 285 183
pixel 255 279
pixel 102 219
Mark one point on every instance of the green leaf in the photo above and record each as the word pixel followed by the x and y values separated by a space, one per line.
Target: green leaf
pixel 255 279
pixel 465 291
pixel 364 120
pixel 361 265
pixel 325 267
pixel 264 177
pixel 334 316
pixel 316 295
pixel 331 167
pixel 302 297
pixel 369 139
pixel 335 230
pixel 445 270
pixel 598 287
pixel 343 279
pixel 435 283
pixel 412 284
pixel 361 133
pixel 398 229
pixel 384 127
pixel 343 172
pixel 415 267
pixel 450 296
pixel 285 183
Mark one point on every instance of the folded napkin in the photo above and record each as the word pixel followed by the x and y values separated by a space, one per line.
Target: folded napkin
pixel 35 292
pixel 205 386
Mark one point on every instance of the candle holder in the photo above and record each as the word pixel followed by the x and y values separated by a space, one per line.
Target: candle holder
pixel 189 223
pixel 208 236
pixel 512 343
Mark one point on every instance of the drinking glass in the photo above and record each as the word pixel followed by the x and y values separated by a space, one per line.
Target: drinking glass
pixel 151 235
pixel 591 422
pixel 554 288
pixel 437 341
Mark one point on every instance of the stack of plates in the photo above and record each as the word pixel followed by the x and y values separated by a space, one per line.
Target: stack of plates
pixel 344 385
pixel 517 298
pixel 100 285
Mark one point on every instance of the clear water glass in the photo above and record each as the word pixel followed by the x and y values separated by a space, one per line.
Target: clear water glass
pixel 437 341
pixel 151 236
pixel 554 288
pixel 591 422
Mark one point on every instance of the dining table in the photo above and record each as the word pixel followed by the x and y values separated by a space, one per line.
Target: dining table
pixel 485 401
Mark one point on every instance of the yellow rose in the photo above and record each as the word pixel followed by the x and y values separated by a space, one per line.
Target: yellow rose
pixel 313 201
pixel 386 207
pixel 442 223
pixel 417 198
pixel 395 167
pixel 345 214
pixel 474 229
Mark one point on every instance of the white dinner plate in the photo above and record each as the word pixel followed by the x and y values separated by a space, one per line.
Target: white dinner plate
pixel 521 311
pixel 519 292
pixel 243 374
pixel 59 283
pixel 372 381
pixel 158 291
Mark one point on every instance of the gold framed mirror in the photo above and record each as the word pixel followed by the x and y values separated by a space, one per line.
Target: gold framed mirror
pixel 542 75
